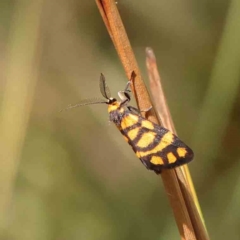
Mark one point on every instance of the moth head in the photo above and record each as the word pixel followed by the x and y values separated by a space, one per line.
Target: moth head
pixel 113 104
pixel 105 93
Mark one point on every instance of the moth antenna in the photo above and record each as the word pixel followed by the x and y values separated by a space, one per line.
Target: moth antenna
pixel 103 87
pixel 84 103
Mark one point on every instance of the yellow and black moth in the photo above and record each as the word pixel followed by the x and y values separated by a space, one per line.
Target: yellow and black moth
pixel 155 146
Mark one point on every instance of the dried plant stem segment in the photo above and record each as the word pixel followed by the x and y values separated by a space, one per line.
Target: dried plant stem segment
pixel 160 102
pixel 182 173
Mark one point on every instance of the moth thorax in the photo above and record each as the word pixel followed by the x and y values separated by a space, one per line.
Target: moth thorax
pixel 113 106
pixel 116 116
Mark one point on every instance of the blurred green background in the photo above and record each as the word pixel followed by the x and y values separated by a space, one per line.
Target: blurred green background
pixel 71 175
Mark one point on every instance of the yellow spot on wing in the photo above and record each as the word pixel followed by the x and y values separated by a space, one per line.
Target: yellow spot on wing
pixel 133 133
pixel 129 120
pixel 171 158
pixel 166 140
pixel 146 139
pixel 138 154
pixel 156 160
pixel 147 124
pixel 181 152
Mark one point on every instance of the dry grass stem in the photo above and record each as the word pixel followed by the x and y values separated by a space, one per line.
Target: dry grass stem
pixel 182 173
pixel 21 78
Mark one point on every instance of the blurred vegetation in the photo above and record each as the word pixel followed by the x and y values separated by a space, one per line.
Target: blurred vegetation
pixel 71 175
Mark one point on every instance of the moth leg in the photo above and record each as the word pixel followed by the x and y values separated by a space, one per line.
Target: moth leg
pixel 136 110
pixel 124 102
pixel 133 75
pixel 124 95
pixel 127 87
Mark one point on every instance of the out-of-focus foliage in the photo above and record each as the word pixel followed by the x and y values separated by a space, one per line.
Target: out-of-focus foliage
pixel 71 175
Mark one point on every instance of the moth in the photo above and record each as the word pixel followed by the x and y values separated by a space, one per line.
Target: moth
pixel 156 147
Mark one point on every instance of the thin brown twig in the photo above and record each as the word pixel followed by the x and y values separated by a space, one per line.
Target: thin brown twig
pixel 160 102
pixel 118 34
pixel 182 173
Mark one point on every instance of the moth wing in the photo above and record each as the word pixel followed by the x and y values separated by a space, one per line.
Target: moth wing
pixel 155 146
pixel 174 154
